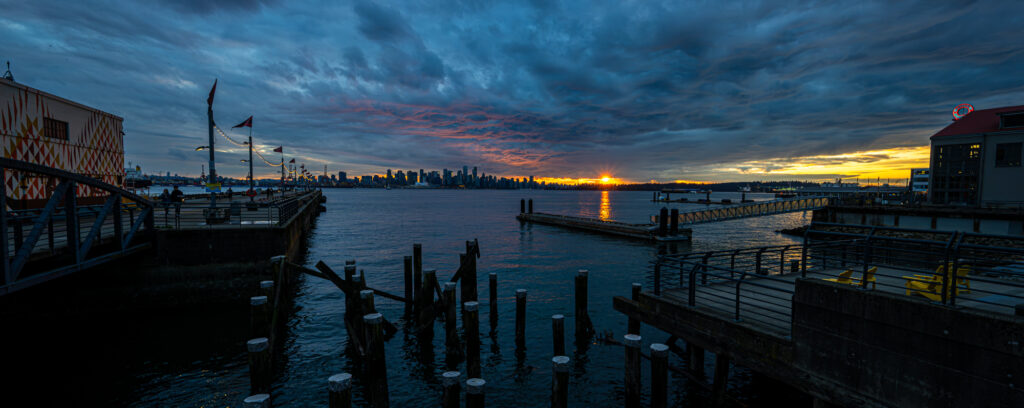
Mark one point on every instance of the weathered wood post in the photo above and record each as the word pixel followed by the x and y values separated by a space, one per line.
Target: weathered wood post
pixel 376 364
pixel 696 358
pixel 471 327
pixel 425 301
pixel 350 272
pixel 366 297
pixel 339 391
pixel 633 325
pixel 257 401
pixel 259 365
pixel 720 381
pixel 259 317
pixel 469 290
pixel 558 334
pixel 560 381
pixel 267 289
pixel 451 386
pixel 409 295
pixel 521 319
pixel 659 375
pixel 530 208
pixel 417 274
pixel 522 205
pixel 674 222
pixel 475 392
pixel 453 350
pixel 663 222
pixel 583 325
pixel 794 266
pixel 633 381
pixel 493 286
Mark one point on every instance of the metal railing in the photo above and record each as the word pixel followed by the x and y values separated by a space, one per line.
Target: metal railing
pixel 746 210
pixel 757 284
pixel 238 212
pixel 61 236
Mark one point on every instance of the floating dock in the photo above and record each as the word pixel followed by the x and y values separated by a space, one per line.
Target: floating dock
pixel 651 232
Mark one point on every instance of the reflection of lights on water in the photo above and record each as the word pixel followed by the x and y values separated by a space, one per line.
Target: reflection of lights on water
pixel 606 207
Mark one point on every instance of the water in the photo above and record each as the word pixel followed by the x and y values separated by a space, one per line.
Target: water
pixel 198 358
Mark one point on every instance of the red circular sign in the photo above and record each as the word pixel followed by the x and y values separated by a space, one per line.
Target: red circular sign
pixel 962 110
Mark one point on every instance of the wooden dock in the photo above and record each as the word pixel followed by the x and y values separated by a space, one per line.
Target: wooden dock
pixel 637 231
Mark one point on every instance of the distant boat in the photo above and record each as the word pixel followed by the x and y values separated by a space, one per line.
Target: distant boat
pixel 745 189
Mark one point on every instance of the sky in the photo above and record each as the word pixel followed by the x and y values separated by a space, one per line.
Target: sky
pixel 636 90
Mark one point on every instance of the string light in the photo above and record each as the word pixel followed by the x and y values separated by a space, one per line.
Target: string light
pixel 246 146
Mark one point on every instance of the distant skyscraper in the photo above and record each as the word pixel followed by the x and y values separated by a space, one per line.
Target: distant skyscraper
pixel 423 176
pixel 342 177
pixel 389 175
pixel 531 182
pixel 400 178
pixel 465 174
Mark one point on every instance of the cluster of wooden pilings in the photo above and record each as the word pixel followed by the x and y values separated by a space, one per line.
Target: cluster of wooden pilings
pixel 426 301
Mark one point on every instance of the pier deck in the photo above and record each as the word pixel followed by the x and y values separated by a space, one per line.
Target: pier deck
pixel 771 309
pixel 637 231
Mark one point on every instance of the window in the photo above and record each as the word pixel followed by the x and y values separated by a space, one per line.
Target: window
pixel 54 128
pixel 1013 120
pixel 1008 155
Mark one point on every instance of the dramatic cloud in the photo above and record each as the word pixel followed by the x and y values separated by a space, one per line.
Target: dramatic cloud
pixel 638 90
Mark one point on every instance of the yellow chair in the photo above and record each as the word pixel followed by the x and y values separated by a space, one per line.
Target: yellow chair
pixel 930 286
pixel 846 277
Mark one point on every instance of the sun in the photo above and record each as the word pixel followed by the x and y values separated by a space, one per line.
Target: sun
pixel 606 180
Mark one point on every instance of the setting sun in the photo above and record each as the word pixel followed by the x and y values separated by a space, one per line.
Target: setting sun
pixel 606 180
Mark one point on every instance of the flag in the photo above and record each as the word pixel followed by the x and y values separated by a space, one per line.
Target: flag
pixel 292 161
pixel 246 123
pixel 279 149
pixel 209 101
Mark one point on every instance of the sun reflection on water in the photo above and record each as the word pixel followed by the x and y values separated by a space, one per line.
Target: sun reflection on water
pixel 606 207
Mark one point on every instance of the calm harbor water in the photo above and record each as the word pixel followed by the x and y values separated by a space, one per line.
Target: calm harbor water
pixel 199 359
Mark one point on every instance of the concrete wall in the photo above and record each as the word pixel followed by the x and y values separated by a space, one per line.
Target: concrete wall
pixel 908 352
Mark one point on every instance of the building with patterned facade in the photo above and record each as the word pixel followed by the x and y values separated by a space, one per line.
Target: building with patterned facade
pixel 45 129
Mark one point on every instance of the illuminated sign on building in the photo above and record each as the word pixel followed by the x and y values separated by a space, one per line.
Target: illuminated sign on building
pixel 962 110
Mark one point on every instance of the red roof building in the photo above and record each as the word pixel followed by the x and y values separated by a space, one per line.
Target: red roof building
pixel 976 160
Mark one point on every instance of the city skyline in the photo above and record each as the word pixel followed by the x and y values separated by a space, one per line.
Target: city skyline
pixel 566 91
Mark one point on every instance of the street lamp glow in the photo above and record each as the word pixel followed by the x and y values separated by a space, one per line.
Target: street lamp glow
pixel 202 148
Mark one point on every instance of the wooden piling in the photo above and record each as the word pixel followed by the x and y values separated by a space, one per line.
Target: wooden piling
pixel 366 297
pixel 633 381
pixel 560 382
pixel 696 358
pixel 409 295
pixel 471 327
pixel 633 325
pixel 530 208
pixel 339 389
pixel 259 365
pixel 451 388
pixel 376 363
pixel 417 266
pixel 259 317
pixel 267 289
pixel 453 350
pixel 659 375
pixel 257 401
pixel 663 222
pixel 469 288
pixel 558 334
pixel 425 301
pixel 522 205
pixel 720 381
pixel 475 392
pixel 674 222
pixel 492 279
pixel 583 325
pixel 521 319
